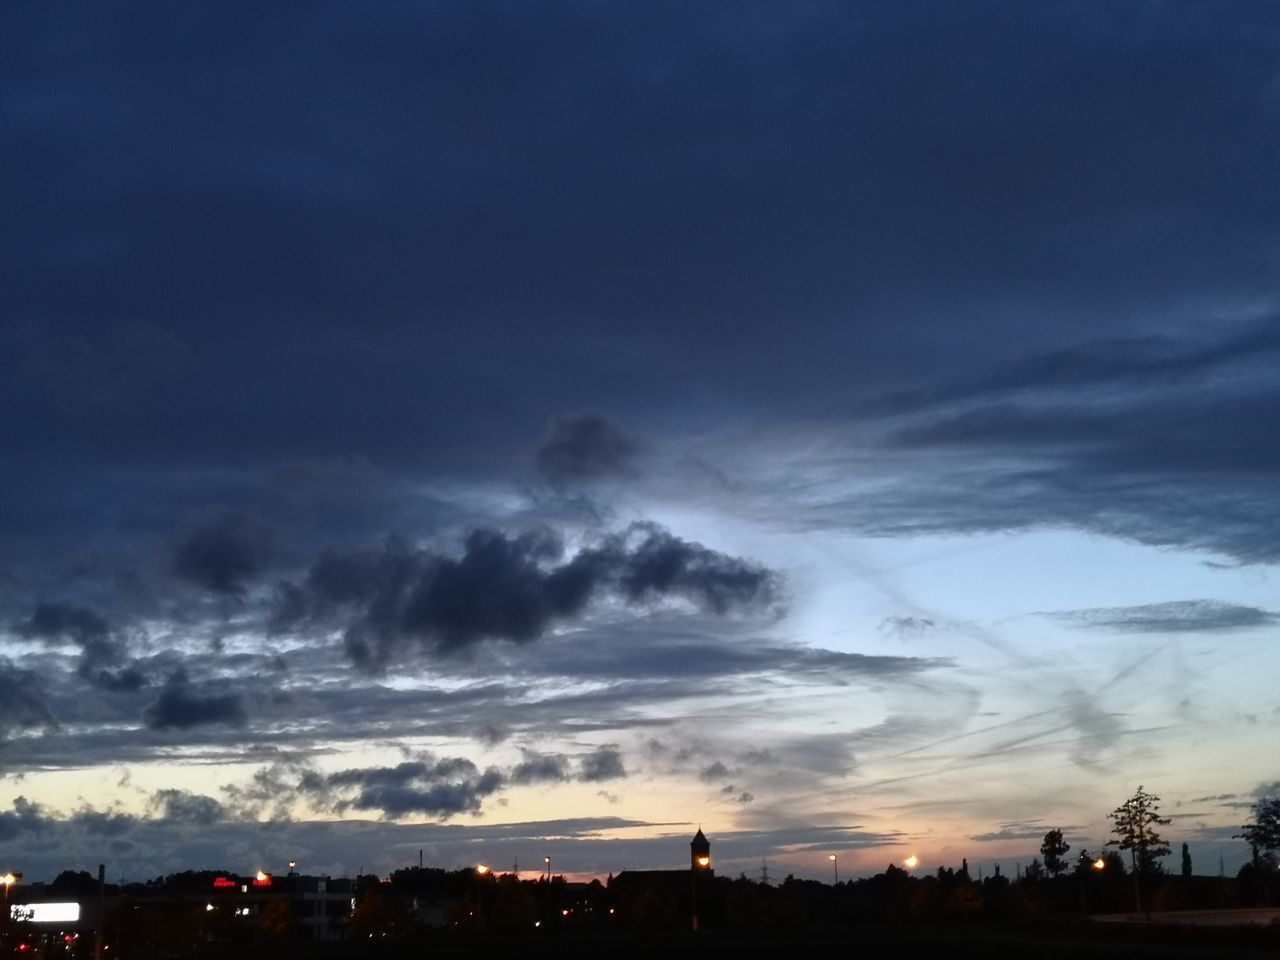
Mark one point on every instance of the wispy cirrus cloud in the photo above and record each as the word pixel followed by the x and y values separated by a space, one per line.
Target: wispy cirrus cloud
pixel 1175 616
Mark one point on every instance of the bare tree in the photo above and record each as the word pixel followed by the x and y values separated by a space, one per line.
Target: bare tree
pixel 1134 822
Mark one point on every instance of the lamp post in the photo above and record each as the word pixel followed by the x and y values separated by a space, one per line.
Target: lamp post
pixel 482 871
pixel 835 867
pixel 9 878
pixel 547 861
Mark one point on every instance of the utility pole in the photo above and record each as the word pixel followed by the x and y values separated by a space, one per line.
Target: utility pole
pixel 97 925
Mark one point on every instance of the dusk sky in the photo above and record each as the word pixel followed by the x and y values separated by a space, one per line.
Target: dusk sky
pixel 512 430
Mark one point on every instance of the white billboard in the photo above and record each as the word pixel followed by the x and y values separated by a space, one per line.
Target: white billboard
pixel 45 912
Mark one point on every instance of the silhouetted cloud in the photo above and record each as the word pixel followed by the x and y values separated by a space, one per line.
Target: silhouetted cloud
pixel 186 807
pixel 713 772
pixel 26 817
pixel 584 447
pixel 1178 616
pixel 438 788
pixel 104 661
pixel 605 763
pixel 21 692
pixel 223 554
pixel 510 587
pixel 181 707
pixel 540 768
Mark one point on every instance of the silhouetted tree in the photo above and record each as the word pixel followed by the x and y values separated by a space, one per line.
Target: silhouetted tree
pixel 74 883
pixel 1263 831
pixel 1134 822
pixel 1053 849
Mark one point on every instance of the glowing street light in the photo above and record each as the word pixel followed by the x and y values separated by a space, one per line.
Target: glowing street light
pixel 835 867
pixel 9 879
pixel 547 861
pixel 911 862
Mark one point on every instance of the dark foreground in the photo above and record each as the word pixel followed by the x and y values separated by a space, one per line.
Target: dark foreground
pixel 1044 941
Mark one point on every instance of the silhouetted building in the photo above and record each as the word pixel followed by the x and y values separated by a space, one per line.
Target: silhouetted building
pixel 668 898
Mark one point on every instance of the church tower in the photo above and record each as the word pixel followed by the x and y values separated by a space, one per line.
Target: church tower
pixel 700 853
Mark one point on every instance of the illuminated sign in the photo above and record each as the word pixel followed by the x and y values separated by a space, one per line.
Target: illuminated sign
pixel 45 912
pixel 262 879
pixel 225 883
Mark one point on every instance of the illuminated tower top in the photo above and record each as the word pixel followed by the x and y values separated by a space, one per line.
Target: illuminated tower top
pixel 700 852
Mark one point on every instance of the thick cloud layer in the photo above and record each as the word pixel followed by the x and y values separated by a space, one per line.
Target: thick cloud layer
pixel 871 286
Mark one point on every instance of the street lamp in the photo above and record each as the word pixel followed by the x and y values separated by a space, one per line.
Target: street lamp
pixel 835 867
pixel 547 861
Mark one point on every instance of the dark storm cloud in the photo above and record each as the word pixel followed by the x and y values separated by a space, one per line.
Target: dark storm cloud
pixel 604 763
pixel 104 661
pixel 1180 616
pixel 509 588
pixel 181 707
pixel 223 554
pixel 57 621
pixel 585 447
